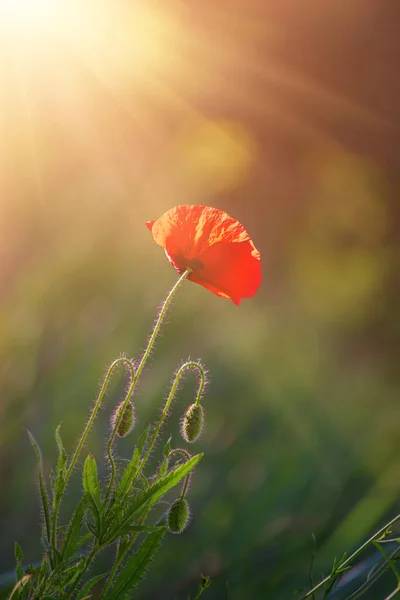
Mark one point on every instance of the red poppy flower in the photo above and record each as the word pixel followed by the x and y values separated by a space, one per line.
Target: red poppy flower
pixel 215 246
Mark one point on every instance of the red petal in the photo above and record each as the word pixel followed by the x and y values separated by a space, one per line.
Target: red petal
pixel 217 247
pixel 231 270
pixel 149 224
pixel 189 230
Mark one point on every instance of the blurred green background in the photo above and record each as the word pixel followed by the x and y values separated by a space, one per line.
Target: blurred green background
pixel 286 115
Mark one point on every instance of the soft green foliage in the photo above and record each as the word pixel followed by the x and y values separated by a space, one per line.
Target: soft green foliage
pixel 322 590
pixel 98 521
pixel 135 569
pixel 112 512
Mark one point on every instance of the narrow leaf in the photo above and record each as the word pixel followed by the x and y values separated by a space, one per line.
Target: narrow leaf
pixel 143 440
pixel 91 483
pixel 62 455
pixel 167 448
pixel 43 490
pixel 134 570
pixel 163 467
pixel 88 586
pixel 72 538
pixel 154 493
pixel 18 557
pixel 129 529
pixel 19 586
pixel 128 476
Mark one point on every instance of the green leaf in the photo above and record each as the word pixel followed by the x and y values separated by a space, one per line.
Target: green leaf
pixel 72 539
pixel 143 440
pixel 88 586
pixel 145 500
pixel 19 586
pixel 205 583
pixel 163 467
pixel 128 476
pixel 91 483
pixel 42 486
pixel 58 478
pixel 129 529
pixel 167 448
pixel 18 557
pixel 73 573
pixel 133 572
pixel 62 455
pixel 57 557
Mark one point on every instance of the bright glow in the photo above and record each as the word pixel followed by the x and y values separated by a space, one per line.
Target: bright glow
pixel 30 14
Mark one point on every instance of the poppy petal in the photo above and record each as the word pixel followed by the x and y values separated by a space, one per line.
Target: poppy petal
pixel 149 224
pixel 214 245
pixel 231 270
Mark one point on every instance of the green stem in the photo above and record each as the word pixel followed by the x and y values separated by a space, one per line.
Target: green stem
pixel 114 433
pixel 393 594
pixel 89 561
pixel 187 478
pixel 388 560
pixel 135 378
pixel 171 396
pixel 372 578
pixel 82 440
pixel 119 558
pixel 159 322
pixel 353 556
pixel 114 569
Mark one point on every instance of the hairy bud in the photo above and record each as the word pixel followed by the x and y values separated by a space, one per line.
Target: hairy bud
pixel 128 419
pixel 192 423
pixel 178 516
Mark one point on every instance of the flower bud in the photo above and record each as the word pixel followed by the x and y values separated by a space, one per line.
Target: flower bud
pixel 178 516
pixel 192 423
pixel 128 419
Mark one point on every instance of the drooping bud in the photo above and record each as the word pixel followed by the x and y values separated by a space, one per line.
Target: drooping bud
pixel 192 423
pixel 128 419
pixel 178 516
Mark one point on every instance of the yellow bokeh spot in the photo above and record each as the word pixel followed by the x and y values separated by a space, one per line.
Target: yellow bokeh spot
pixel 217 155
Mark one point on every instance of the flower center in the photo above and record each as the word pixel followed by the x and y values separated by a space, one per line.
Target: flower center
pixel 195 264
pixel 183 263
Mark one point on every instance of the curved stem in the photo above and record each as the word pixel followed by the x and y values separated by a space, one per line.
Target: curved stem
pixel 113 435
pixel 82 440
pixel 171 396
pixel 187 478
pixel 352 557
pixel 95 410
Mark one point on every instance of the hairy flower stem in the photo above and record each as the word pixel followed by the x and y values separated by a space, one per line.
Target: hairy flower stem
pixel 89 561
pixel 159 322
pixel 135 378
pixel 393 594
pixel 82 440
pixel 171 396
pixel 119 557
pixel 352 557
pixel 187 478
